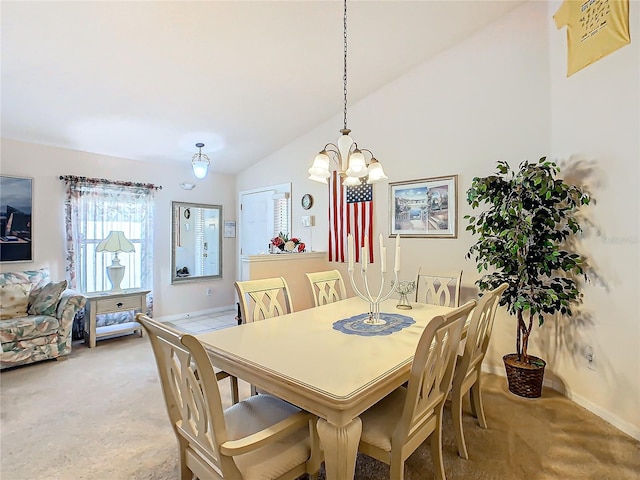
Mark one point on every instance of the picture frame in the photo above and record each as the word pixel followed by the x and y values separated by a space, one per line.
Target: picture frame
pixel 16 215
pixel 425 208
pixel 229 229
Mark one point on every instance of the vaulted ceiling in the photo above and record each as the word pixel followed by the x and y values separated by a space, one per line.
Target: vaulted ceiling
pixel 146 80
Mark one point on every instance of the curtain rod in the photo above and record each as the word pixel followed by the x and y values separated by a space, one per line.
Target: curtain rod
pixel 75 179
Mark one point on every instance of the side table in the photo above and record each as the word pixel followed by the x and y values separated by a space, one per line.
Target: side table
pixel 110 302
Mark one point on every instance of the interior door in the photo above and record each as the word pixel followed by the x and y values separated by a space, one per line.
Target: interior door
pixel 257 218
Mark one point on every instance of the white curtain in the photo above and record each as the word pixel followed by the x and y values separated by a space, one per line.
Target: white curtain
pixel 94 207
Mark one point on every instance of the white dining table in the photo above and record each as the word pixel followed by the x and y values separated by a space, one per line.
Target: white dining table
pixel 302 359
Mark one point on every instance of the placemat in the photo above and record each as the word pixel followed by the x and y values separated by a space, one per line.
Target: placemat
pixel 355 325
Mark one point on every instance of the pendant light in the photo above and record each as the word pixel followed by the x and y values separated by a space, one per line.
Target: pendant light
pixel 200 162
pixel 350 161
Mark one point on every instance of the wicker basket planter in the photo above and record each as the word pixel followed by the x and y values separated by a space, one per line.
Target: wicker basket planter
pixel 524 380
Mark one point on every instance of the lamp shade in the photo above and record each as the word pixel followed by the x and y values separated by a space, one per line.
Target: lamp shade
pixel 115 242
pixel 200 168
pixel 200 162
pixel 376 173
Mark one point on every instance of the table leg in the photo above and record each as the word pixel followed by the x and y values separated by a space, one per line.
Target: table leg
pixel 340 446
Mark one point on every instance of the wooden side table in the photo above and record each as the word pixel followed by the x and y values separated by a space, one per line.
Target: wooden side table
pixel 110 302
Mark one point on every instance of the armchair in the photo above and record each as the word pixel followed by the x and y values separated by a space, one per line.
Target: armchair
pixel 28 338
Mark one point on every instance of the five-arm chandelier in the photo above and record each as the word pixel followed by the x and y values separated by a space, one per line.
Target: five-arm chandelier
pixel 350 161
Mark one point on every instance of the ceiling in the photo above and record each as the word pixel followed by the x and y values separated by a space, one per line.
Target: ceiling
pixel 146 80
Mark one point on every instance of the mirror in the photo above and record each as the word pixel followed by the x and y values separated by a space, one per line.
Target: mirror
pixel 196 247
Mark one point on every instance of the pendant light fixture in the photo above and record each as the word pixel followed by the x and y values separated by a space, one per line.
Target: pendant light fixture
pixel 350 161
pixel 200 162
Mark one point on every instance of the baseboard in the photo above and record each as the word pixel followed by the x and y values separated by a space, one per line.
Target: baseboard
pixel 607 416
pixel 182 316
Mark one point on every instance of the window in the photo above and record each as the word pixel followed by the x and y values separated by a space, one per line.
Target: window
pixel 281 213
pixel 93 209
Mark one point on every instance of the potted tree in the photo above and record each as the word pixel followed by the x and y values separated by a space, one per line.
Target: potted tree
pixel 522 240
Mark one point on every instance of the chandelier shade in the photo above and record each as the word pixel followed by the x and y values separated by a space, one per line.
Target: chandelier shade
pixel 348 160
pixel 200 162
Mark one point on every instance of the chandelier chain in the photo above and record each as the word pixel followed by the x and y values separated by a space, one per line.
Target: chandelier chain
pixel 344 77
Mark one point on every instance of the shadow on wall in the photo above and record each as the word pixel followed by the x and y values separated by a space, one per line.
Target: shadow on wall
pixel 565 335
pixel 578 170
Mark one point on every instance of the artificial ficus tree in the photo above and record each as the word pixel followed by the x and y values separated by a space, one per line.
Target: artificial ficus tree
pixel 522 236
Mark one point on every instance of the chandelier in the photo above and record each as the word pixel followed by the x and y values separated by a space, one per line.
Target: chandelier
pixel 200 162
pixel 350 161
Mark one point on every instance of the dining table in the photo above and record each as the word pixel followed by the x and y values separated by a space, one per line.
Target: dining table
pixel 328 361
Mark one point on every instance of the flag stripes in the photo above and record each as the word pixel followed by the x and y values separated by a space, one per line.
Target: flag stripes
pixel 350 211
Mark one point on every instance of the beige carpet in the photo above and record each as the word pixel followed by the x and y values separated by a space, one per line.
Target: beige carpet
pixel 100 415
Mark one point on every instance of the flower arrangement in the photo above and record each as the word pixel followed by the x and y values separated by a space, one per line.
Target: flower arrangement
pixel 282 243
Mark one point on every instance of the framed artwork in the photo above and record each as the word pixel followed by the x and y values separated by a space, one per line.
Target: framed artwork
pixel 16 205
pixel 229 229
pixel 424 208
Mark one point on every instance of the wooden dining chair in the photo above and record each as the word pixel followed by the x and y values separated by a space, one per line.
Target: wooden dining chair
pixel 467 376
pixel 146 323
pixel 265 298
pixel 394 427
pixel 437 289
pixel 261 299
pixel 260 437
pixel 327 287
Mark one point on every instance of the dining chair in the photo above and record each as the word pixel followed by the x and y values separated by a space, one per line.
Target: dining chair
pixel 265 298
pixel 259 437
pixel 262 299
pixel 394 427
pixel 327 287
pixel 145 321
pixel 437 289
pixel 467 376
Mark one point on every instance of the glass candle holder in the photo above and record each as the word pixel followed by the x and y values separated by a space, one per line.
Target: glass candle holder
pixel 404 288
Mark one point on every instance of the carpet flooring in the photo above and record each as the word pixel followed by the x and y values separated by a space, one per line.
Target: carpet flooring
pixel 100 415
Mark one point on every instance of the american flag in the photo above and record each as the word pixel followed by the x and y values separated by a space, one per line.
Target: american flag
pixel 350 211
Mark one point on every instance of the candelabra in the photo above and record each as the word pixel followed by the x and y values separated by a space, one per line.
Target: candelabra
pixel 366 295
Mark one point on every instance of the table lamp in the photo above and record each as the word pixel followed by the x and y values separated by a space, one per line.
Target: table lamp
pixel 115 242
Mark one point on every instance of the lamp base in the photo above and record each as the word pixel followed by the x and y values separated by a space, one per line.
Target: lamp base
pixel 115 273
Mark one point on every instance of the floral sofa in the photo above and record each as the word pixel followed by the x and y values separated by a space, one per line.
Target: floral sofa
pixel 38 328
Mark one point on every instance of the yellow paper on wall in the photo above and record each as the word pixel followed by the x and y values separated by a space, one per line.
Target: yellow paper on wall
pixel 595 28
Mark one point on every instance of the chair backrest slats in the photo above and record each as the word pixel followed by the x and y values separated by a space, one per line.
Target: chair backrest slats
pixel 437 289
pixel 265 298
pixel 480 328
pixel 190 390
pixel 432 369
pixel 327 287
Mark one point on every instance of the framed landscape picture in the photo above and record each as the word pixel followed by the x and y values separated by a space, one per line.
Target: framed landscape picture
pixel 16 204
pixel 427 207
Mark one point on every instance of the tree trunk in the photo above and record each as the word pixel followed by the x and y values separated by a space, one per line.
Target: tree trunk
pixel 522 337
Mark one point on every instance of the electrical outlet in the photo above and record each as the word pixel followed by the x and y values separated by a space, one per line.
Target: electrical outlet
pixel 590 356
pixel 209 292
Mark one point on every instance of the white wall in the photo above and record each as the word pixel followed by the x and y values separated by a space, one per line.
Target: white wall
pixel 595 123
pixel 45 164
pixel 503 95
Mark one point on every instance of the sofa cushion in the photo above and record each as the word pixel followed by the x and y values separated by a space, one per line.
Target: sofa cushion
pixel 14 299
pixel 48 298
pixel 25 328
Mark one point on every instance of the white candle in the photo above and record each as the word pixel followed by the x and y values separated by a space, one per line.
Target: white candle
pixel 380 238
pixel 383 259
pixel 350 251
pixel 397 266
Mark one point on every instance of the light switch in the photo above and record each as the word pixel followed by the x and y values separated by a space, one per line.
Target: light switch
pixel 307 220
